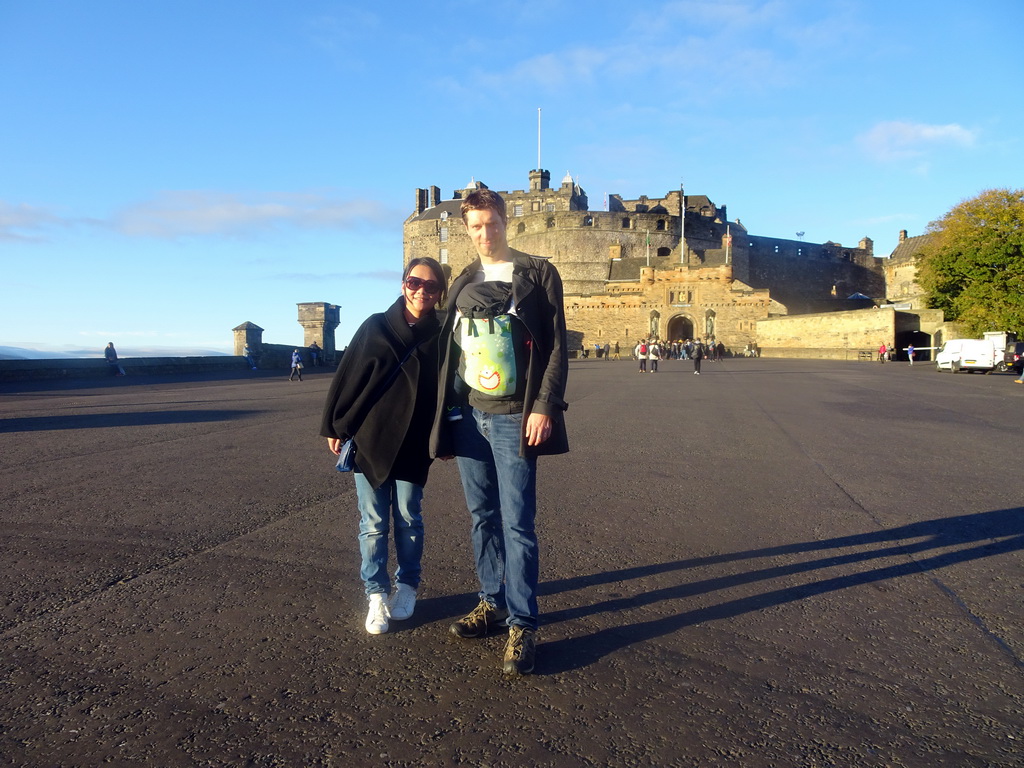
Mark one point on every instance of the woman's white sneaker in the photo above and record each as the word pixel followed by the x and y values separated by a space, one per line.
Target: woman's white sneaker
pixel 377 616
pixel 403 602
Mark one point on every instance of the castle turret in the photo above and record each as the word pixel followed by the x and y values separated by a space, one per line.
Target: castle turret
pixel 319 320
pixel 248 333
pixel 540 180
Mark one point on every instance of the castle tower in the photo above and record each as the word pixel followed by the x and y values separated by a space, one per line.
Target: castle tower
pixel 248 333
pixel 540 180
pixel 319 320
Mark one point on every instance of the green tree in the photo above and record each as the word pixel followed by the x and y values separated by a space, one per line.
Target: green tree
pixel 973 269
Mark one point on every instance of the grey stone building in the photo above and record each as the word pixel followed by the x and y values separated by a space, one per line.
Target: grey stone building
pixel 673 266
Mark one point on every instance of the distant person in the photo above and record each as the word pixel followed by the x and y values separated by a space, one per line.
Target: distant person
pixel 640 353
pixel 247 354
pixel 616 352
pixel 882 352
pixel 598 351
pixel 296 366
pixel 910 353
pixel 653 355
pixel 389 417
pixel 607 351
pixel 697 353
pixel 314 354
pixel 111 355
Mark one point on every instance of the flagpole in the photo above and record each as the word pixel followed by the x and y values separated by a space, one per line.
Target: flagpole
pixel 682 225
pixel 538 139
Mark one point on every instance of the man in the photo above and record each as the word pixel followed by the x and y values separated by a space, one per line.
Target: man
pixel 501 401
pixel 697 353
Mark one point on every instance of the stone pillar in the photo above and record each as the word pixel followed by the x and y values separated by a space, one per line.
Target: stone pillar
pixel 319 320
pixel 248 333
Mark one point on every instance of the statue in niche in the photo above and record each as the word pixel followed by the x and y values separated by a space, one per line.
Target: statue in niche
pixel 655 318
pixel 709 324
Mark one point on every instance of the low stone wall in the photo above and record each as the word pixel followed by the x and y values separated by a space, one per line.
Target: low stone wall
pixel 820 353
pixel 827 336
pixel 87 368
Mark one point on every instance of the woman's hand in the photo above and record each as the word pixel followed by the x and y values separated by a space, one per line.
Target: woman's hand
pixel 334 445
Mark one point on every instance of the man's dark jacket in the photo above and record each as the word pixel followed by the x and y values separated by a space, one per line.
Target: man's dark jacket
pixel 537 297
pixel 390 429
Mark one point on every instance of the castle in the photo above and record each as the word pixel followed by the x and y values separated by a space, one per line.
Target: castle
pixel 672 267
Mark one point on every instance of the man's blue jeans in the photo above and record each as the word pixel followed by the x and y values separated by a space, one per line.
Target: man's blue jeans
pixel 399 501
pixel 501 494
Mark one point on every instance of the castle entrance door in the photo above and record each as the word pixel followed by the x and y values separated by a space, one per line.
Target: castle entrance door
pixel 679 327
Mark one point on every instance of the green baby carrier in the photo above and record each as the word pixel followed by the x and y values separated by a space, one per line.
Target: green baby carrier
pixel 485 334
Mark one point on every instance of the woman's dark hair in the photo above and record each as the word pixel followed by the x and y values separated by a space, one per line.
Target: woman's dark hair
pixel 438 271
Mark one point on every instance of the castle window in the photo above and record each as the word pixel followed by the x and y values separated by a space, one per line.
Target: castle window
pixel 442 255
pixel 517 210
pixel 535 206
pixel 660 226
pixel 551 222
pixel 625 223
pixel 588 221
pixel 520 228
pixel 443 233
pixel 549 207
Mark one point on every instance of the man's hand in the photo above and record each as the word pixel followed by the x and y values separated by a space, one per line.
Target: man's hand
pixel 334 445
pixel 538 429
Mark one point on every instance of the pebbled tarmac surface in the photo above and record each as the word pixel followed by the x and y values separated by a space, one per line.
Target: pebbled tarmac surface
pixel 777 563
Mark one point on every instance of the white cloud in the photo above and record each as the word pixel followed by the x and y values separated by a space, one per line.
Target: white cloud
pixel 676 47
pixel 202 213
pixel 900 140
pixel 19 221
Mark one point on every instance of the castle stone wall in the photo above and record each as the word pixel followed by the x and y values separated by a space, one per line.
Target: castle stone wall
pixel 830 335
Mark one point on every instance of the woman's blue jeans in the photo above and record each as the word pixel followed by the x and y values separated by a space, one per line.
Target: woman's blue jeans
pixel 402 503
pixel 501 494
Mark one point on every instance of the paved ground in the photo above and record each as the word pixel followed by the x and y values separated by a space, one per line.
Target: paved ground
pixel 777 563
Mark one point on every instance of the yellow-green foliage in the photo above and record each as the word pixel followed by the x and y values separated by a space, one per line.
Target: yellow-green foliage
pixel 974 268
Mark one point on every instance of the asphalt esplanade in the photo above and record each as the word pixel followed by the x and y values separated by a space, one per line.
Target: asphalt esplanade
pixel 776 563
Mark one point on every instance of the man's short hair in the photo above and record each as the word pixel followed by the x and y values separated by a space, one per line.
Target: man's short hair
pixel 483 199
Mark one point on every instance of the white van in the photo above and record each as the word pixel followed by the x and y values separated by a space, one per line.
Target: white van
pixel 967 355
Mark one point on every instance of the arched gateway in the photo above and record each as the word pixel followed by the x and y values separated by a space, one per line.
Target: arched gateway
pixel 679 327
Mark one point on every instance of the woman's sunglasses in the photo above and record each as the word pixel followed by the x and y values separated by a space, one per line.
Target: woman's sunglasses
pixel 431 287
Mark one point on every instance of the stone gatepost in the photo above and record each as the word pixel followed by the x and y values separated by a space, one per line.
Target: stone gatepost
pixel 319 320
pixel 248 333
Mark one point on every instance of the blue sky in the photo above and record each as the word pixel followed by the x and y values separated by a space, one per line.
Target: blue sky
pixel 169 170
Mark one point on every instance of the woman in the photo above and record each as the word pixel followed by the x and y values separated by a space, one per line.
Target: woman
pixel 383 397
pixel 296 366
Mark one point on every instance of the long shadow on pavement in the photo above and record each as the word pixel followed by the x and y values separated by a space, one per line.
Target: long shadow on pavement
pixel 907 541
pixel 94 420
